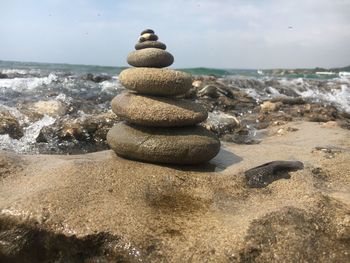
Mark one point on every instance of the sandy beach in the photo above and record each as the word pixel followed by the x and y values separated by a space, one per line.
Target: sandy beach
pixel 101 208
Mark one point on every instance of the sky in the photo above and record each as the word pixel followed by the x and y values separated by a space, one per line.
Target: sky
pixel 199 33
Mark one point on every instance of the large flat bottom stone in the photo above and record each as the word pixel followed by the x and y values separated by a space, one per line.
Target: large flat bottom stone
pixel 185 145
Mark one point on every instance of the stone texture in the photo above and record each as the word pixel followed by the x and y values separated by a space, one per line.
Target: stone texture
pixel 52 108
pixel 148 37
pixel 157 111
pixel 185 145
pixel 150 44
pixel 150 57
pixel 149 31
pixel 10 125
pixel 159 82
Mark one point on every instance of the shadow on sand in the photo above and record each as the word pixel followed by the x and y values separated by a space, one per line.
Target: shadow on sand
pixel 223 160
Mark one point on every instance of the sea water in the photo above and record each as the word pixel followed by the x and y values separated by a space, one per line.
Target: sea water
pixel 22 83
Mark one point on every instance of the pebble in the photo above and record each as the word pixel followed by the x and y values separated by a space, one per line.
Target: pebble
pixel 157 111
pixel 149 31
pixel 158 82
pixel 150 57
pixel 150 44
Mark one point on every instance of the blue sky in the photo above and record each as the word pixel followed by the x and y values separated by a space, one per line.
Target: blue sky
pixel 208 33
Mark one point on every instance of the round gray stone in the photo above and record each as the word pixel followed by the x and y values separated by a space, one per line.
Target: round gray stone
pixel 150 44
pixel 157 111
pixel 148 37
pixel 154 81
pixel 186 145
pixel 150 31
pixel 150 57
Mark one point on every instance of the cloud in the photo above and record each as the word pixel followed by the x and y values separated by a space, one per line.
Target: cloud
pixel 223 33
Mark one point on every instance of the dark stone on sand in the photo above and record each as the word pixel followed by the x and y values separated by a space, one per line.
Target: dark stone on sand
pixel 150 57
pixel 265 174
pixel 150 44
pixel 149 31
pixel 157 111
pixel 185 145
pixel 158 82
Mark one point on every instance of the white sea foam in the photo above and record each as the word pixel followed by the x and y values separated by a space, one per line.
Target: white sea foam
pixel 110 85
pixel 20 71
pixel 21 84
pixel 338 97
pixel 25 144
pixel 333 91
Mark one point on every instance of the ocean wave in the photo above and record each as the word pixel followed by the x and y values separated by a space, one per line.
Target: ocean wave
pixel 332 91
pixel 22 84
pixel 20 71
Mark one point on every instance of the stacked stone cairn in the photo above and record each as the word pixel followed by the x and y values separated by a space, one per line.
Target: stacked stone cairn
pixel 158 127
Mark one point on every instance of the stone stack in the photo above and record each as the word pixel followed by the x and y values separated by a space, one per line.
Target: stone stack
pixel 158 127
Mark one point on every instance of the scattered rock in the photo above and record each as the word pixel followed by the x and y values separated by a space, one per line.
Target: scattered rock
pixel 268 106
pixel 329 151
pixel 265 174
pixel 88 128
pixel 97 79
pixel 330 124
pixel 221 123
pixel 10 125
pixel 52 108
pixel 197 84
pixel 209 91
pixel 286 130
pixel 3 76
pixel 289 101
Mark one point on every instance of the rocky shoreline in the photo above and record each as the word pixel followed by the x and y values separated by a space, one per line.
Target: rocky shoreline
pixel 237 113
pixel 99 207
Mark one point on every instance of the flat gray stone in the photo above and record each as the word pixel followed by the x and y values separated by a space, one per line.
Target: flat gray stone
pixel 185 145
pixel 150 57
pixel 150 31
pixel 154 81
pixel 150 44
pixel 157 111
pixel 148 37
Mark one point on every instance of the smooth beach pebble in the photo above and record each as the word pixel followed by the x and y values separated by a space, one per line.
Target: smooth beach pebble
pixel 186 145
pixel 150 57
pixel 150 31
pixel 154 81
pixel 157 111
pixel 148 37
pixel 150 44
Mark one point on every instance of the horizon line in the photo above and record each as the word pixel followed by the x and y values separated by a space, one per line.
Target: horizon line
pixel 198 67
